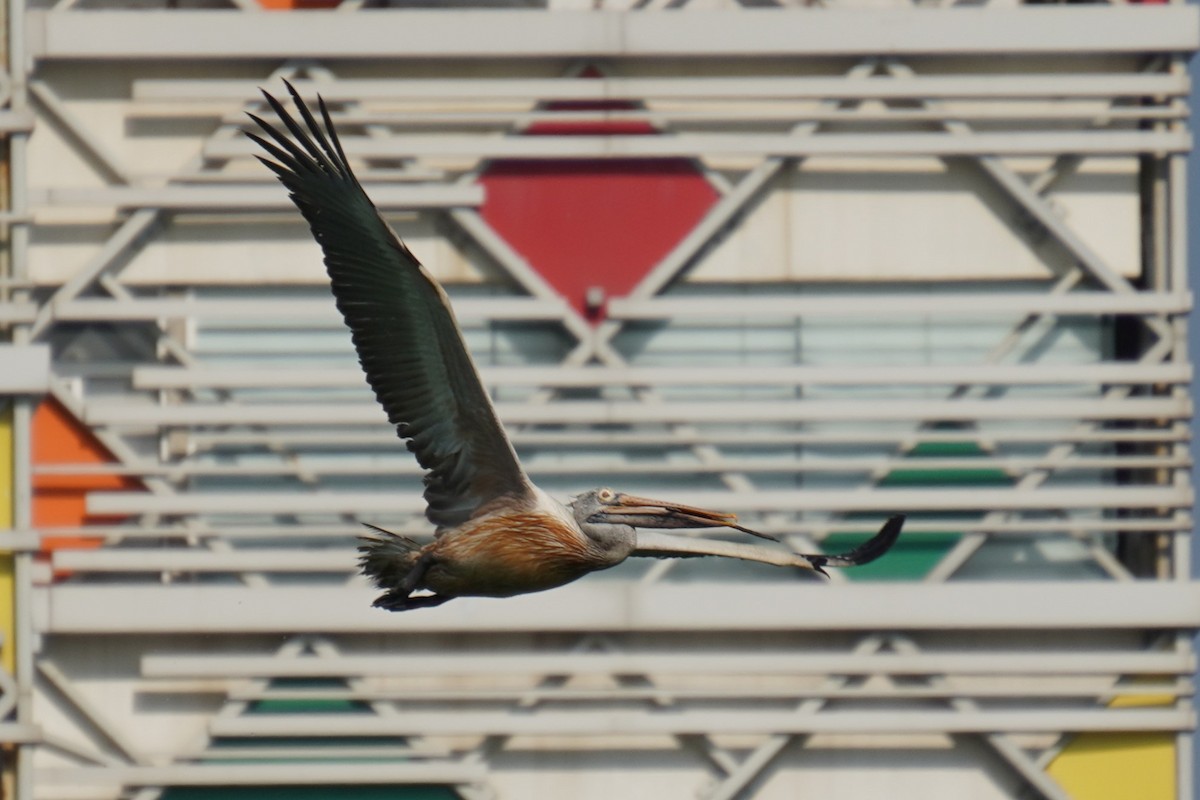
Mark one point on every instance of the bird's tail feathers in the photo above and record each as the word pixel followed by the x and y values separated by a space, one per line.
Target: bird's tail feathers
pixel 386 557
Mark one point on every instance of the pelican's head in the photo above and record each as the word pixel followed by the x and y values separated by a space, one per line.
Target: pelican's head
pixel 602 509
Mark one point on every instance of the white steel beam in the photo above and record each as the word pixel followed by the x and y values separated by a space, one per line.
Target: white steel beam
pixel 201 377
pixel 881 500
pixel 160 560
pixel 704 662
pixel 315 313
pixel 115 735
pixel 21 733
pixel 306 751
pixel 1057 86
pixel 1003 744
pixel 240 198
pixel 120 243
pixel 694 144
pixel 469 310
pixel 708 112
pixel 587 723
pixel 526 33
pixel 97 149
pixel 1040 209
pixel 1076 526
pixel 901 304
pixel 600 412
pixel 416 526
pixel 317 466
pixel 382 437
pixel 597 605
pixel 15 121
pixel 24 369
pixel 663 691
pixel 285 774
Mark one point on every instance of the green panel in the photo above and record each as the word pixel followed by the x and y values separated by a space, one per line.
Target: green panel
pixel 916 476
pixel 910 559
pixel 946 450
pixel 945 477
pixel 314 705
pixel 917 552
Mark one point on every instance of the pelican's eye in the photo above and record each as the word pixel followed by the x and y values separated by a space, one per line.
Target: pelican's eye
pixel 606 495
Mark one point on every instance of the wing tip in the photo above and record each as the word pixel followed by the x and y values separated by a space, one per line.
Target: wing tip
pixel 870 550
pixel 877 545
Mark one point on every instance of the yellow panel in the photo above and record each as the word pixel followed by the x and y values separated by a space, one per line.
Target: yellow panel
pixel 7 619
pixel 1119 766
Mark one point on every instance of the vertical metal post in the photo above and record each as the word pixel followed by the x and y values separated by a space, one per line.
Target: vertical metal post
pixel 23 634
pixel 24 643
pixel 1177 254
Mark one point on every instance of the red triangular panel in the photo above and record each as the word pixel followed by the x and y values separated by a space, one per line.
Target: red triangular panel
pixel 587 223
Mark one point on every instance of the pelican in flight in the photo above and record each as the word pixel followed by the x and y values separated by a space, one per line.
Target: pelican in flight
pixel 498 535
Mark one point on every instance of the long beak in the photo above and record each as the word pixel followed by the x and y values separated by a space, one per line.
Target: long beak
pixel 642 512
pixel 664 545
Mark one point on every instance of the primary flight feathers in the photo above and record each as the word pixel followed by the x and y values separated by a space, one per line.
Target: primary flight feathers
pixel 497 534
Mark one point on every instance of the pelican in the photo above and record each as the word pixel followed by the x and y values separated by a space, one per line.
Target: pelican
pixel 498 534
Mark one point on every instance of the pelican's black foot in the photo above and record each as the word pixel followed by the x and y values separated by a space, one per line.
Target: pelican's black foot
pixel 412 581
pixel 397 600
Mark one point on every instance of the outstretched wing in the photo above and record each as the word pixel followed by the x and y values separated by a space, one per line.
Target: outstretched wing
pixel 407 340
pixel 662 545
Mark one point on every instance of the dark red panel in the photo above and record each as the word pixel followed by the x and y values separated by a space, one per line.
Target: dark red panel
pixel 597 128
pixel 602 223
pixel 594 223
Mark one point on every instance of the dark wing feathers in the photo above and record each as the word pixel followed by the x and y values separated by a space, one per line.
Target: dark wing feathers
pixel 401 323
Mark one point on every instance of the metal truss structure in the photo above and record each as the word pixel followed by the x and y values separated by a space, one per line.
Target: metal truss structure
pixel 1021 393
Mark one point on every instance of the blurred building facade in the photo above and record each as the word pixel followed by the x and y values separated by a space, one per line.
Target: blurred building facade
pixel 813 264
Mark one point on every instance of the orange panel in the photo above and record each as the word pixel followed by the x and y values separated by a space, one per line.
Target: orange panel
pixel 8 597
pixel 60 501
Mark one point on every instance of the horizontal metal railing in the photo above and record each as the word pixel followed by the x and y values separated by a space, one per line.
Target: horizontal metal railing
pixel 593 724
pixel 620 606
pixel 688 145
pixel 651 663
pixel 439 694
pixel 1059 87
pixel 220 774
pixel 259 501
pixel 187 34
pixel 129 413
pixel 1109 373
